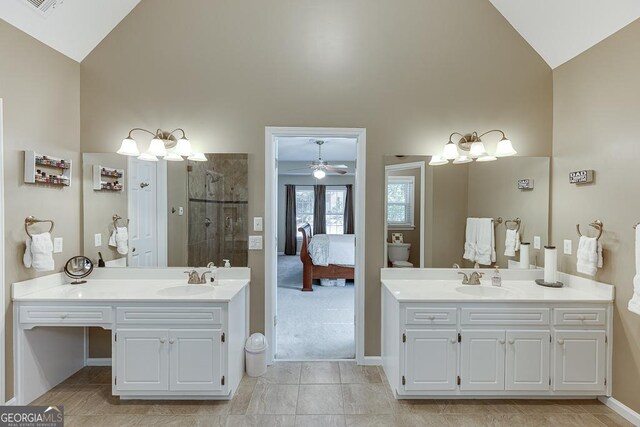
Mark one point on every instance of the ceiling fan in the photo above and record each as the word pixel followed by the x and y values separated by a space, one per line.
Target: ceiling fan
pixel 319 168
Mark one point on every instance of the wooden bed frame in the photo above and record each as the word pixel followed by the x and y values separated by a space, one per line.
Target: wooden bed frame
pixel 311 271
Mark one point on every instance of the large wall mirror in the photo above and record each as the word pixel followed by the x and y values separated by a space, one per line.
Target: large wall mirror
pixel 154 214
pixel 512 191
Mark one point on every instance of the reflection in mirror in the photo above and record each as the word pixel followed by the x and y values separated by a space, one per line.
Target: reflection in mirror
pixel 172 214
pixel 454 193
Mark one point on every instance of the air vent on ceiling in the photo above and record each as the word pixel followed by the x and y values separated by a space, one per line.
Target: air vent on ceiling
pixel 44 7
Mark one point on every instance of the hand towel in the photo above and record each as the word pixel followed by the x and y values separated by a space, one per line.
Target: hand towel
pixel 634 303
pixel 511 242
pixel 470 239
pixel 588 255
pixel 486 247
pixel 39 252
pixel 119 239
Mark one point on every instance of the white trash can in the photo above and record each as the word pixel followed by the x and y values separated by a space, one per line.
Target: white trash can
pixel 256 355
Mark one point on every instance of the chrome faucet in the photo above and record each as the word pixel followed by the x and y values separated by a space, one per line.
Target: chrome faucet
pixel 195 279
pixel 472 279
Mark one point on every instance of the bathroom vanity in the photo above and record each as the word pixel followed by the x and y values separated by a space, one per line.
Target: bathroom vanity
pixel 170 340
pixel 443 338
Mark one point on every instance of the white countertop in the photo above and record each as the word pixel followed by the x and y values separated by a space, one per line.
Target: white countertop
pixel 439 289
pixel 119 286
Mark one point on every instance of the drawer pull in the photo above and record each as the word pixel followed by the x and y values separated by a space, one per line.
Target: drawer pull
pixel 582 318
pixel 64 316
pixel 561 342
pixel 512 342
pixel 501 341
pixel 454 341
pixel 171 341
pixel 431 317
pixel 162 340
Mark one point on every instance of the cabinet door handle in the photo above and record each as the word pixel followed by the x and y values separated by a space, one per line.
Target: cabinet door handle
pixel 501 341
pixel 171 341
pixel 582 318
pixel 512 342
pixel 64 316
pixel 453 340
pixel 561 342
pixel 162 340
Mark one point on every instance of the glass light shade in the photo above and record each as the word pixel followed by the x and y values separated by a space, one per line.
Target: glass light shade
pixel 437 160
pixel 486 158
pixel 477 150
pixel 173 157
pixel 462 159
pixel 319 174
pixel 148 157
pixel 505 149
pixel 197 157
pixel 157 148
pixel 129 147
pixel 183 148
pixel 450 151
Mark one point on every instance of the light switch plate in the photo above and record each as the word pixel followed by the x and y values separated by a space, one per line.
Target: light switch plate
pixel 57 245
pixel 536 242
pixel 257 223
pixel 97 239
pixel 255 243
pixel 567 247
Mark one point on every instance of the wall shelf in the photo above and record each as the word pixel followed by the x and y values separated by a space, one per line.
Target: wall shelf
pixel 44 169
pixel 108 179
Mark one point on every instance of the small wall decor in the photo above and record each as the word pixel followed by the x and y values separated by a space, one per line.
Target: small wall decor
pixel 43 169
pixel 525 184
pixel 107 179
pixel 581 177
pixel 397 238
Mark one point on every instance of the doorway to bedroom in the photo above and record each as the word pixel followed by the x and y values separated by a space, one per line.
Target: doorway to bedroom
pixel 316 257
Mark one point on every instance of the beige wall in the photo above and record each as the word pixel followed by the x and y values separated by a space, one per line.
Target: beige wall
pixel 596 116
pixel 40 89
pixel 223 70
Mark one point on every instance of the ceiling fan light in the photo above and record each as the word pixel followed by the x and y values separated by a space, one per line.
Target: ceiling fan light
pixel 197 157
pixel 147 157
pixel 462 159
pixel 450 151
pixel 477 150
pixel 183 148
pixel 157 148
pixel 486 158
pixel 173 157
pixel 437 160
pixel 319 174
pixel 505 148
pixel 129 147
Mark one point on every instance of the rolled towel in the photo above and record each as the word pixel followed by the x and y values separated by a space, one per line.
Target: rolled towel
pixel 39 252
pixel 470 239
pixel 587 254
pixel 511 242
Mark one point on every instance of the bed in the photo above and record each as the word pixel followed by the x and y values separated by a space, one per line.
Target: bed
pixel 339 270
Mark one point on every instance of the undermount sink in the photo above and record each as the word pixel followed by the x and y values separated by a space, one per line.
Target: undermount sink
pixel 185 290
pixel 484 291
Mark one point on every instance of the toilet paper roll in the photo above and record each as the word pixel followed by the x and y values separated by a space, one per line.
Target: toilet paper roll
pixel 550 264
pixel 524 256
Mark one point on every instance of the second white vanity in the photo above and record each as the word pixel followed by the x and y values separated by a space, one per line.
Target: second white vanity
pixel 443 338
pixel 170 340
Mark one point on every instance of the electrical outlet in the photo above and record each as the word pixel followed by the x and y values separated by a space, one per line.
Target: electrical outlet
pixel 97 238
pixel 255 243
pixel 257 223
pixel 180 211
pixel 536 242
pixel 57 245
pixel 567 247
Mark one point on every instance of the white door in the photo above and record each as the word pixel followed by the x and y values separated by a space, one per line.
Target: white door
pixel 528 360
pixel 431 360
pixel 195 360
pixel 142 359
pixel 143 225
pixel 580 360
pixel 482 360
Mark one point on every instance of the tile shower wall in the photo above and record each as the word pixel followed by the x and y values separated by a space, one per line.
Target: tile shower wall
pixel 218 202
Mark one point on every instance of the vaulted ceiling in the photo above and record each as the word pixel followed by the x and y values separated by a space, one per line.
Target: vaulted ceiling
pixel 558 30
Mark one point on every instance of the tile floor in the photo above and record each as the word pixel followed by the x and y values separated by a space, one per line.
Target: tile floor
pixel 322 394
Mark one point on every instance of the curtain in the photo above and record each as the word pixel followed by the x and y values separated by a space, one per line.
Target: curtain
pixel 319 210
pixel 290 233
pixel 349 224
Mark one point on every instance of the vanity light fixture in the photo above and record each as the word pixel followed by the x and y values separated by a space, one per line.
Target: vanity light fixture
pixel 164 144
pixel 473 145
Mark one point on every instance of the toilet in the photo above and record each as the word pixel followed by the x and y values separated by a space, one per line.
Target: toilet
pixel 398 254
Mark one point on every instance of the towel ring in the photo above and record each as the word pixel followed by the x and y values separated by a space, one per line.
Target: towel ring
pixel 117 218
pixel 30 220
pixel 597 224
pixel 516 221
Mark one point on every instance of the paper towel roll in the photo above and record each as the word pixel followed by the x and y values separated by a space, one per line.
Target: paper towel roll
pixel 550 264
pixel 524 256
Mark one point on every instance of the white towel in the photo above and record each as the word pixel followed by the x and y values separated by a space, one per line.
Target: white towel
pixel 470 239
pixel 634 303
pixel 589 255
pixel 120 240
pixel 39 252
pixel 511 242
pixel 485 241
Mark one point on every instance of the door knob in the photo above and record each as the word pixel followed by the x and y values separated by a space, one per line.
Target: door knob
pixel 144 184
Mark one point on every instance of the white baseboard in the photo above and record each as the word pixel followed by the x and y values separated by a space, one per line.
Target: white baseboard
pixel 372 361
pixel 621 409
pixel 11 402
pixel 106 361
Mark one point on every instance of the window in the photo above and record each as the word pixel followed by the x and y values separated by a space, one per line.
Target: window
pixel 335 197
pixel 304 206
pixel 400 201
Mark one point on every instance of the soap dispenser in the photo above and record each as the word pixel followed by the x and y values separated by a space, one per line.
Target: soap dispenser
pixel 496 278
pixel 227 264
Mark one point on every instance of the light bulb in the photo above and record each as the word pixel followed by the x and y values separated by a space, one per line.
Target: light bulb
pixel 319 174
pixel 129 147
pixel 505 148
pixel 450 151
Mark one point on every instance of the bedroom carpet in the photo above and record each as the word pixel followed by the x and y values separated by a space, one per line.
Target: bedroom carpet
pixel 313 325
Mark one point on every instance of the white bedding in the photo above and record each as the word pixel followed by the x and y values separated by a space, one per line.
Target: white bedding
pixel 336 249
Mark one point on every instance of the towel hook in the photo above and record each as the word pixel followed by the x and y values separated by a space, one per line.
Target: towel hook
pixel 498 220
pixel 117 218
pixel 597 224
pixel 30 220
